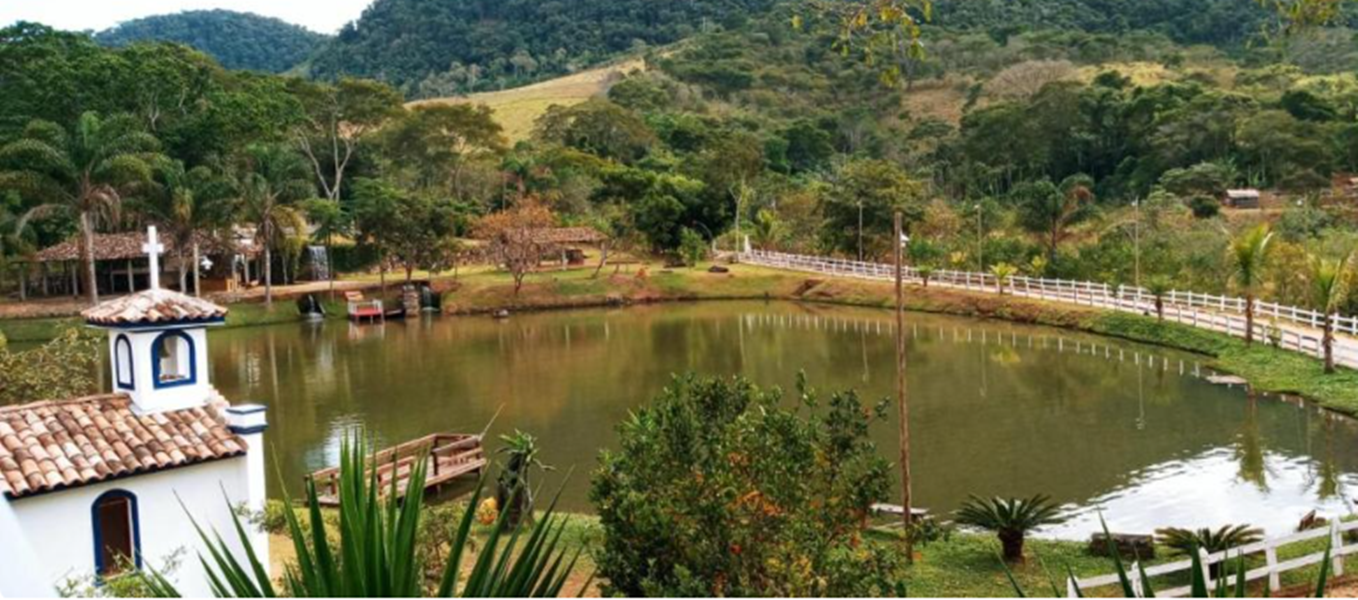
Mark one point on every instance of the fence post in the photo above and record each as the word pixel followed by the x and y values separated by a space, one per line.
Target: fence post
pixel 1072 588
pixel 1336 557
pixel 1271 558
pixel 1206 571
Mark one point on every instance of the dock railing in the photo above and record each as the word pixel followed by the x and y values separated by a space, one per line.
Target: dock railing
pixel 1223 314
pixel 1272 570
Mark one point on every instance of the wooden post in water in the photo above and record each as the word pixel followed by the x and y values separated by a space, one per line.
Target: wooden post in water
pixel 906 516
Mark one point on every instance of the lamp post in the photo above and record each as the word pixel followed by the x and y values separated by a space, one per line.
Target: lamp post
pixel 980 239
pixel 1136 239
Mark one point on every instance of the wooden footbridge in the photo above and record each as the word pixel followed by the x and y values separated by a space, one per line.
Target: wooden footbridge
pixel 447 456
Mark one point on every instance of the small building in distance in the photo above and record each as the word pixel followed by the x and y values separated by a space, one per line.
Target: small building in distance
pixel 95 487
pixel 1242 198
pixel 122 267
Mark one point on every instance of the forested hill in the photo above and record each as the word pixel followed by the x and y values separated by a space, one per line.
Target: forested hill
pixel 1214 22
pixel 441 47
pixel 237 40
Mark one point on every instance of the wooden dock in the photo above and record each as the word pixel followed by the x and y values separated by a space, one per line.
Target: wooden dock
pixel 448 456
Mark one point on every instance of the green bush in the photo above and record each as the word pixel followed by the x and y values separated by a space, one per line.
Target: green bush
pixel 718 489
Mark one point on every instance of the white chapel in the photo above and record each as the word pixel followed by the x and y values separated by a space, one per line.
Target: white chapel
pixel 93 487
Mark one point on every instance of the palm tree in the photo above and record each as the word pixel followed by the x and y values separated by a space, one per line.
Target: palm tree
pixel 375 552
pixel 1329 289
pixel 1003 272
pixel 1249 252
pixel 1159 287
pixel 83 173
pixel 275 181
pixel 1010 518
pixel 184 202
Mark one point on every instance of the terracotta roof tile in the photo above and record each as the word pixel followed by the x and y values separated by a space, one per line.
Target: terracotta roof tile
pixel 153 306
pixel 46 446
pixel 127 246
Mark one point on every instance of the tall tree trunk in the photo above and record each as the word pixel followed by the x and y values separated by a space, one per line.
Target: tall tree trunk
pixel 91 283
pixel 1328 341
pixel 183 272
pixel 1249 319
pixel 197 273
pixel 268 276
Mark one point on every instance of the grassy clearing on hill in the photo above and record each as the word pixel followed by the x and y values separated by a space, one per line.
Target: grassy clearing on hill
pixel 517 109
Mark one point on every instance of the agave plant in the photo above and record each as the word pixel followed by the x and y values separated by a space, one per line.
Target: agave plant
pixel 374 550
pixel 1010 518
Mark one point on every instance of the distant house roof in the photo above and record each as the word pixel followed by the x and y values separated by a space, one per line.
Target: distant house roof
pixel 1246 193
pixel 55 445
pixel 153 306
pixel 127 246
pixel 561 235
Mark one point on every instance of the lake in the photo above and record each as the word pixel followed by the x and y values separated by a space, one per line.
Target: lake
pixel 996 408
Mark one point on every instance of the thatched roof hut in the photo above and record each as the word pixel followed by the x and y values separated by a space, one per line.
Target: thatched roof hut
pixel 128 246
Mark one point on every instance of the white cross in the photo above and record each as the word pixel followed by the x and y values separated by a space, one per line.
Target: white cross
pixel 152 248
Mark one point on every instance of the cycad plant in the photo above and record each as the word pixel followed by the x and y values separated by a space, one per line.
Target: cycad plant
pixel 83 173
pixel 374 550
pixel 1329 289
pixel 1010 518
pixel 1188 541
pixel 1249 254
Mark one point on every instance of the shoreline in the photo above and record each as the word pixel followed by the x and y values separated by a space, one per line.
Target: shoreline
pixel 1267 369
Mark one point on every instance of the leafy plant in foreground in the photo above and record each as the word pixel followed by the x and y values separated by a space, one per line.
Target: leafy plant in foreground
pixel 375 550
pixel 1010 518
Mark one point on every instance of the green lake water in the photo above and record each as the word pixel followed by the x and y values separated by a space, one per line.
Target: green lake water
pixel 996 408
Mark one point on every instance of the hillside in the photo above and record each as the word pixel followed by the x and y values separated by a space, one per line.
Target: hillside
pixel 237 40
pixel 434 48
pixel 517 109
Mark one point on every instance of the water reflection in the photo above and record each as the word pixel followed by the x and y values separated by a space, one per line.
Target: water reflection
pixel 998 408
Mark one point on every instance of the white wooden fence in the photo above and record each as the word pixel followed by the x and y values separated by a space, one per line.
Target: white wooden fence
pixel 1294 328
pixel 1272 570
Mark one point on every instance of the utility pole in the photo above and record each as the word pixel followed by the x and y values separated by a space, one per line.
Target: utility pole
pixel 904 408
pixel 980 240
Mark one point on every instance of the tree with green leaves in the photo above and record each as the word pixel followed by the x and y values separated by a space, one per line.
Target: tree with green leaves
pixel 272 185
pixel 860 204
pixel 599 127
pixel 432 145
pixel 336 118
pixel 1049 211
pixel 1249 255
pixel 1330 283
pixel 186 203
pixel 720 488
pixel 83 173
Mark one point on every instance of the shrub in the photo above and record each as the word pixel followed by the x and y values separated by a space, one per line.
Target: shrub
pixel 1204 207
pixel 692 247
pixel 717 489
pixel 62 368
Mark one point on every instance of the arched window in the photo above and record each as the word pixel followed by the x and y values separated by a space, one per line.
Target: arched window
pixel 173 357
pixel 117 536
pixel 122 363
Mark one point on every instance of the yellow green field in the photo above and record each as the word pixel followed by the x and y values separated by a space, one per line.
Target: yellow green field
pixel 516 109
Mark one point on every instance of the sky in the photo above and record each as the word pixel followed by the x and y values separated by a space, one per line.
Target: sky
pixel 324 16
